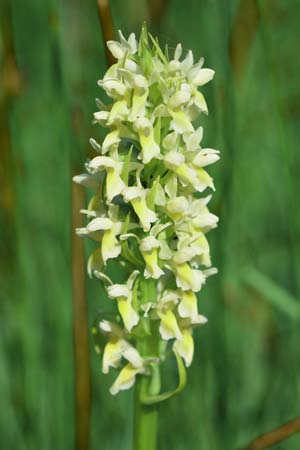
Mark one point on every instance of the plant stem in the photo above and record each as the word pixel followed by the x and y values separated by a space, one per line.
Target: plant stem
pixel 146 416
pixel 145 419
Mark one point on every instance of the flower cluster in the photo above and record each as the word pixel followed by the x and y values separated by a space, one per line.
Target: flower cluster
pixel 148 211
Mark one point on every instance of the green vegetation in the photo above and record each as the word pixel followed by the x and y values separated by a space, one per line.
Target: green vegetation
pixel 245 376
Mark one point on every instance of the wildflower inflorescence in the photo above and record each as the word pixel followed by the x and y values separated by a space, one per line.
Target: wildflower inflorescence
pixel 147 210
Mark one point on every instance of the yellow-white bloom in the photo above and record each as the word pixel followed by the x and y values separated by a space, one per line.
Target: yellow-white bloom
pixel 177 208
pixel 169 328
pixel 188 278
pixel 139 88
pixel 188 305
pixel 185 346
pixel 110 247
pixel 126 378
pixel 120 49
pixel 193 140
pixel 123 294
pixel 148 248
pixel 188 174
pixel 150 149
pixel 88 180
pixel 116 349
pixel 136 195
pixel 206 157
pixel 113 87
pixel 114 182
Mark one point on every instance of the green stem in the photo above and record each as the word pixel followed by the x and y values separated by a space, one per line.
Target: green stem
pixel 146 416
pixel 145 419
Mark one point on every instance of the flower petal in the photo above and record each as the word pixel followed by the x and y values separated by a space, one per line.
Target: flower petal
pixel 185 347
pixel 169 328
pixel 188 305
pixel 110 248
pixel 128 313
pixel 125 379
pixel 188 278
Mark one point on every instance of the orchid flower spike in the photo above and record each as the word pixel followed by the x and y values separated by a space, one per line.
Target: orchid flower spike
pixel 149 211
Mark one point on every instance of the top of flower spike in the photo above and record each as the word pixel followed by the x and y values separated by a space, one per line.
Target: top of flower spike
pixel 141 52
pixel 120 49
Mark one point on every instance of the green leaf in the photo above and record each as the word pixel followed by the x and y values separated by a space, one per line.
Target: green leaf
pixel 152 194
pixel 144 51
pixel 158 49
pixel 152 399
pixel 272 292
pixel 157 130
pixel 129 256
pixel 125 170
pixel 142 329
pixel 126 224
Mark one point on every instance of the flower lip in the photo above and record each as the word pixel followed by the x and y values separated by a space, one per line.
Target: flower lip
pixel 99 223
pixel 101 162
pixel 101 117
pixel 149 243
pixel 174 159
pixel 179 98
pixel 143 124
pixel 113 87
pixel 118 290
pixel 184 255
pixel 132 192
pixel 178 205
pixel 206 157
pixel 202 77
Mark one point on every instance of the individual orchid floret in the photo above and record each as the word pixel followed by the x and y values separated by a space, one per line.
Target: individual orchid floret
pixel 150 149
pixel 126 378
pixel 113 87
pixel 139 97
pixel 181 122
pixel 188 306
pixel 169 328
pixel 117 348
pixel 118 113
pixel 120 49
pixel 139 88
pixel 110 227
pixel 114 182
pixel 164 310
pixel 188 278
pixel 188 174
pixel 192 140
pixel 148 247
pixel 177 208
pixel 88 180
pixel 110 246
pixel 123 294
pixel 185 346
pixel 206 157
pixel 137 196
pixel 114 351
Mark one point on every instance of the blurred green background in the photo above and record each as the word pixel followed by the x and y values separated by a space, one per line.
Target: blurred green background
pixel 245 377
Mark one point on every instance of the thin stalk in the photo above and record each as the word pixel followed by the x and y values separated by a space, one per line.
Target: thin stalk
pixel 146 416
pixel 107 27
pixel 275 436
pixel 145 419
pixel 80 327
